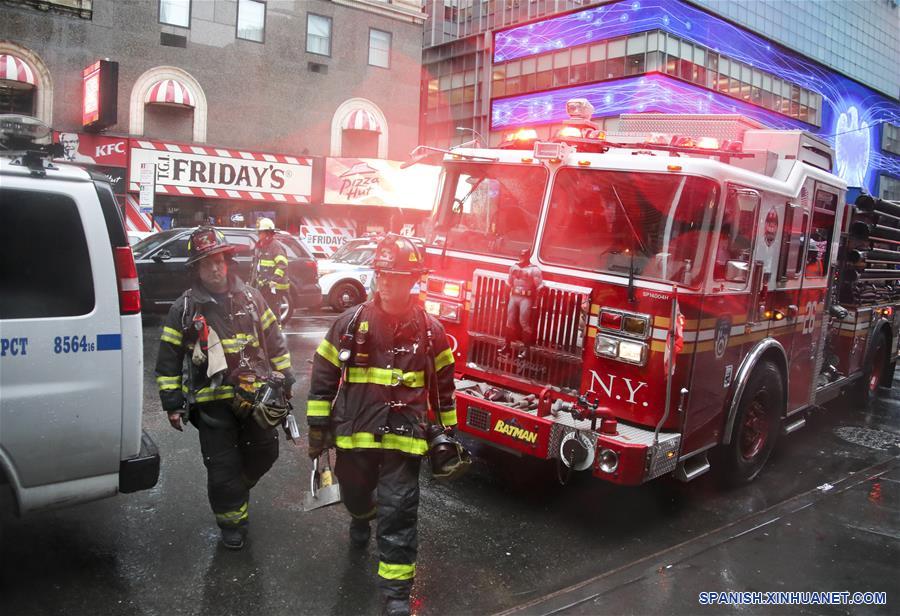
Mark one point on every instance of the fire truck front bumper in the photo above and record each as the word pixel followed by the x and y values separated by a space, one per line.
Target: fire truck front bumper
pixel 631 456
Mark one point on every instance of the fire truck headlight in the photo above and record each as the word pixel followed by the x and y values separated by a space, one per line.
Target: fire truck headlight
pixel 452 289
pixel 608 460
pixel 632 352
pixel 432 307
pixel 448 311
pixel 606 346
pixel 636 326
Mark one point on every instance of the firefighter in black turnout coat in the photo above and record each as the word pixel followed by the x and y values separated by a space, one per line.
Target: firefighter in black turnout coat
pixel 221 349
pixel 269 271
pixel 375 375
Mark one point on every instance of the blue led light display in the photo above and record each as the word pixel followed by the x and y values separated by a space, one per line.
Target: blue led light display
pixel 851 112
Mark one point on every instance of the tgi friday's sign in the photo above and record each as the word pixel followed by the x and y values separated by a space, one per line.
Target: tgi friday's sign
pixel 197 171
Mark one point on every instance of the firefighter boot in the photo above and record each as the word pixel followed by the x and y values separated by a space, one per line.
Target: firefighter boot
pixel 359 532
pixel 233 537
pixel 396 607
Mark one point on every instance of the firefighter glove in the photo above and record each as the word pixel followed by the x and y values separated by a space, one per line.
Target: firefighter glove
pixel 242 404
pixel 320 439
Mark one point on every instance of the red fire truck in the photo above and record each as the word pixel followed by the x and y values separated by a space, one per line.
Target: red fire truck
pixel 705 286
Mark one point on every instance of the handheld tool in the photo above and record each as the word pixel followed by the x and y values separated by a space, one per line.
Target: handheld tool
pixel 323 489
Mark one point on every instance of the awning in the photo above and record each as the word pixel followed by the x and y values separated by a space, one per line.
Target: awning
pixel 15 69
pixel 135 219
pixel 361 119
pixel 170 92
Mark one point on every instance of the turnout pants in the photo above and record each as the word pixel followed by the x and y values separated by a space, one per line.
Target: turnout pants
pixel 236 455
pixel 384 484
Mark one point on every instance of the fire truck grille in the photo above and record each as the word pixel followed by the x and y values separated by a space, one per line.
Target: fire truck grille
pixel 478 418
pixel 555 356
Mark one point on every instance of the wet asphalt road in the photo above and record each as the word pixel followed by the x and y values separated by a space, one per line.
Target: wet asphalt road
pixel 504 536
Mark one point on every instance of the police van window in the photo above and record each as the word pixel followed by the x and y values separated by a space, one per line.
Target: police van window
pixel 733 248
pixel 57 284
pixel 489 208
pixel 658 225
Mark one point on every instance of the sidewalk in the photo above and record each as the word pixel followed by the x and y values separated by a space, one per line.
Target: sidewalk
pixel 841 537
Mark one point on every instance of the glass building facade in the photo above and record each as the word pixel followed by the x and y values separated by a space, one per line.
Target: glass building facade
pixel 672 56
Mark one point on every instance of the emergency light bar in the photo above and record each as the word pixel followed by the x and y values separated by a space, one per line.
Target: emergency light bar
pixel 21 128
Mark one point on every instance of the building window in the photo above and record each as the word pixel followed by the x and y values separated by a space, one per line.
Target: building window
pixel 15 96
pixel 175 13
pixel 379 48
pixel 251 20
pixel 318 34
pixel 889 187
pixel 359 144
pixel 890 139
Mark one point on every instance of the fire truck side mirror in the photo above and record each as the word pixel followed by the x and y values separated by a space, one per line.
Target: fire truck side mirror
pixel 737 271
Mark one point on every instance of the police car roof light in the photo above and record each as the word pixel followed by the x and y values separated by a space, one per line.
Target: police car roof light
pixel 21 135
pixel 22 128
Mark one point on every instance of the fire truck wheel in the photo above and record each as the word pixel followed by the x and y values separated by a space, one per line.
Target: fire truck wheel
pixel 345 295
pixel 756 426
pixel 875 369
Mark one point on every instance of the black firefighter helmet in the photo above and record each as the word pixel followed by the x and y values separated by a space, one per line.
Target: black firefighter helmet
pixel 206 241
pixel 396 254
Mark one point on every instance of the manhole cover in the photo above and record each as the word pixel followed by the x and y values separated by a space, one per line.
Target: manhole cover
pixel 867 437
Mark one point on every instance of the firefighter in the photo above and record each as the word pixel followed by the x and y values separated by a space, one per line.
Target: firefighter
pixel 814 266
pixel 269 272
pixel 525 282
pixel 221 348
pixel 376 373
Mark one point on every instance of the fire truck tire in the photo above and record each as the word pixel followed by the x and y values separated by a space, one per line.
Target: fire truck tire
pixel 345 295
pixel 875 370
pixel 756 426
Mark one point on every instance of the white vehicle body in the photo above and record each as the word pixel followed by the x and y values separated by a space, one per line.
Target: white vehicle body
pixel 71 386
pixel 336 277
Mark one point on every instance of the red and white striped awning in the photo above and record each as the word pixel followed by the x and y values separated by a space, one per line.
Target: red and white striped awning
pixel 361 119
pixel 135 219
pixel 170 92
pixel 15 69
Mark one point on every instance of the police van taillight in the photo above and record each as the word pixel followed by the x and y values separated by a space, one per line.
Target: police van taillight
pixel 129 288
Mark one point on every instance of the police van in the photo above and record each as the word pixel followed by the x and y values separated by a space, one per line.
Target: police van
pixel 71 350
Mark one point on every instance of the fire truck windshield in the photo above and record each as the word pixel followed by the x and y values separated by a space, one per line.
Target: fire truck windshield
pixel 489 208
pixel 659 224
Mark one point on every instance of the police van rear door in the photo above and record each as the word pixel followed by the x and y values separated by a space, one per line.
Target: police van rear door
pixel 61 369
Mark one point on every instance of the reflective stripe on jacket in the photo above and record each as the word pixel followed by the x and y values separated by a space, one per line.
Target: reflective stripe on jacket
pixel 236 329
pixel 385 396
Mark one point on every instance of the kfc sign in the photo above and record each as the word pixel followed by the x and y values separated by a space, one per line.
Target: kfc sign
pixel 93 149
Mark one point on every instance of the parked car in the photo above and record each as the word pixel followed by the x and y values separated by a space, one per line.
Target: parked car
pixel 71 350
pixel 136 236
pixel 161 259
pixel 347 278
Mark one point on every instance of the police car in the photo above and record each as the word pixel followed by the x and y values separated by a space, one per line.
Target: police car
pixel 71 351
pixel 347 278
